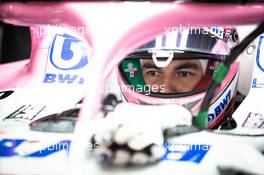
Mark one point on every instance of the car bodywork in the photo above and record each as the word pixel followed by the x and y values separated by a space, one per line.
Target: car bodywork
pixel 58 77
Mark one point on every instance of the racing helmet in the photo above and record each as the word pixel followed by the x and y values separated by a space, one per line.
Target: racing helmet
pixel 177 67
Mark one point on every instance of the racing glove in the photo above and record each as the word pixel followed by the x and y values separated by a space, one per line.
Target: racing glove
pixel 134 134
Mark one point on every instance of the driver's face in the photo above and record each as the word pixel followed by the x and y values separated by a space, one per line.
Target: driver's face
pixel 178 76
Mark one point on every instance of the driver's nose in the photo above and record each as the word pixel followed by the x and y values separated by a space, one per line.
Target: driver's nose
pixel 170 86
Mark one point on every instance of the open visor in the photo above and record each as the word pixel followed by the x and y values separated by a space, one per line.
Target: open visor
pixel 180 77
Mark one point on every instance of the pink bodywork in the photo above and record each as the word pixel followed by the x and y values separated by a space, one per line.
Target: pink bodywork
pixel 115 29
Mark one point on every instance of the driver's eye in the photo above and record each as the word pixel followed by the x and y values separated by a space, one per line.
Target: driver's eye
pixel 153 73
pixel 184 73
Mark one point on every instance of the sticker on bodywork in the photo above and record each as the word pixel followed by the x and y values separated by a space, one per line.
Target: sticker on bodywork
pixel 68 58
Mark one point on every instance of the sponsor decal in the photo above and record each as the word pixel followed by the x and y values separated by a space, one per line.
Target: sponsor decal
pixel 220 104
pixel 260 55
pixel 132 70
pixel 25 112
pixel 257 81
pixel 68 57
pixel 185 152
pixel 256 84
pixel 220 107
pixel 254 120
pixel 63 78
pixel 10 148
pixel 70 54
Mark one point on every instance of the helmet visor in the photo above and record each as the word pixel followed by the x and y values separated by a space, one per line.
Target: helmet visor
pixel 179 77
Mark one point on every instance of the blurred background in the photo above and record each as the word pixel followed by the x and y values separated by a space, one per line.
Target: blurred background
pixel 15 43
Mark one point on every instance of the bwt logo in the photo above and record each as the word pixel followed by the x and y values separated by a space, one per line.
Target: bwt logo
pixel 220 107
pixel 60 78
pixel 68 54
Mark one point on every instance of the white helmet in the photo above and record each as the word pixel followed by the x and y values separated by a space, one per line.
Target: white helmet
pixel 177 67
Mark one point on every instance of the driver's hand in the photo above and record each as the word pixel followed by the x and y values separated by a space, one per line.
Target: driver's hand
pixel 134 134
